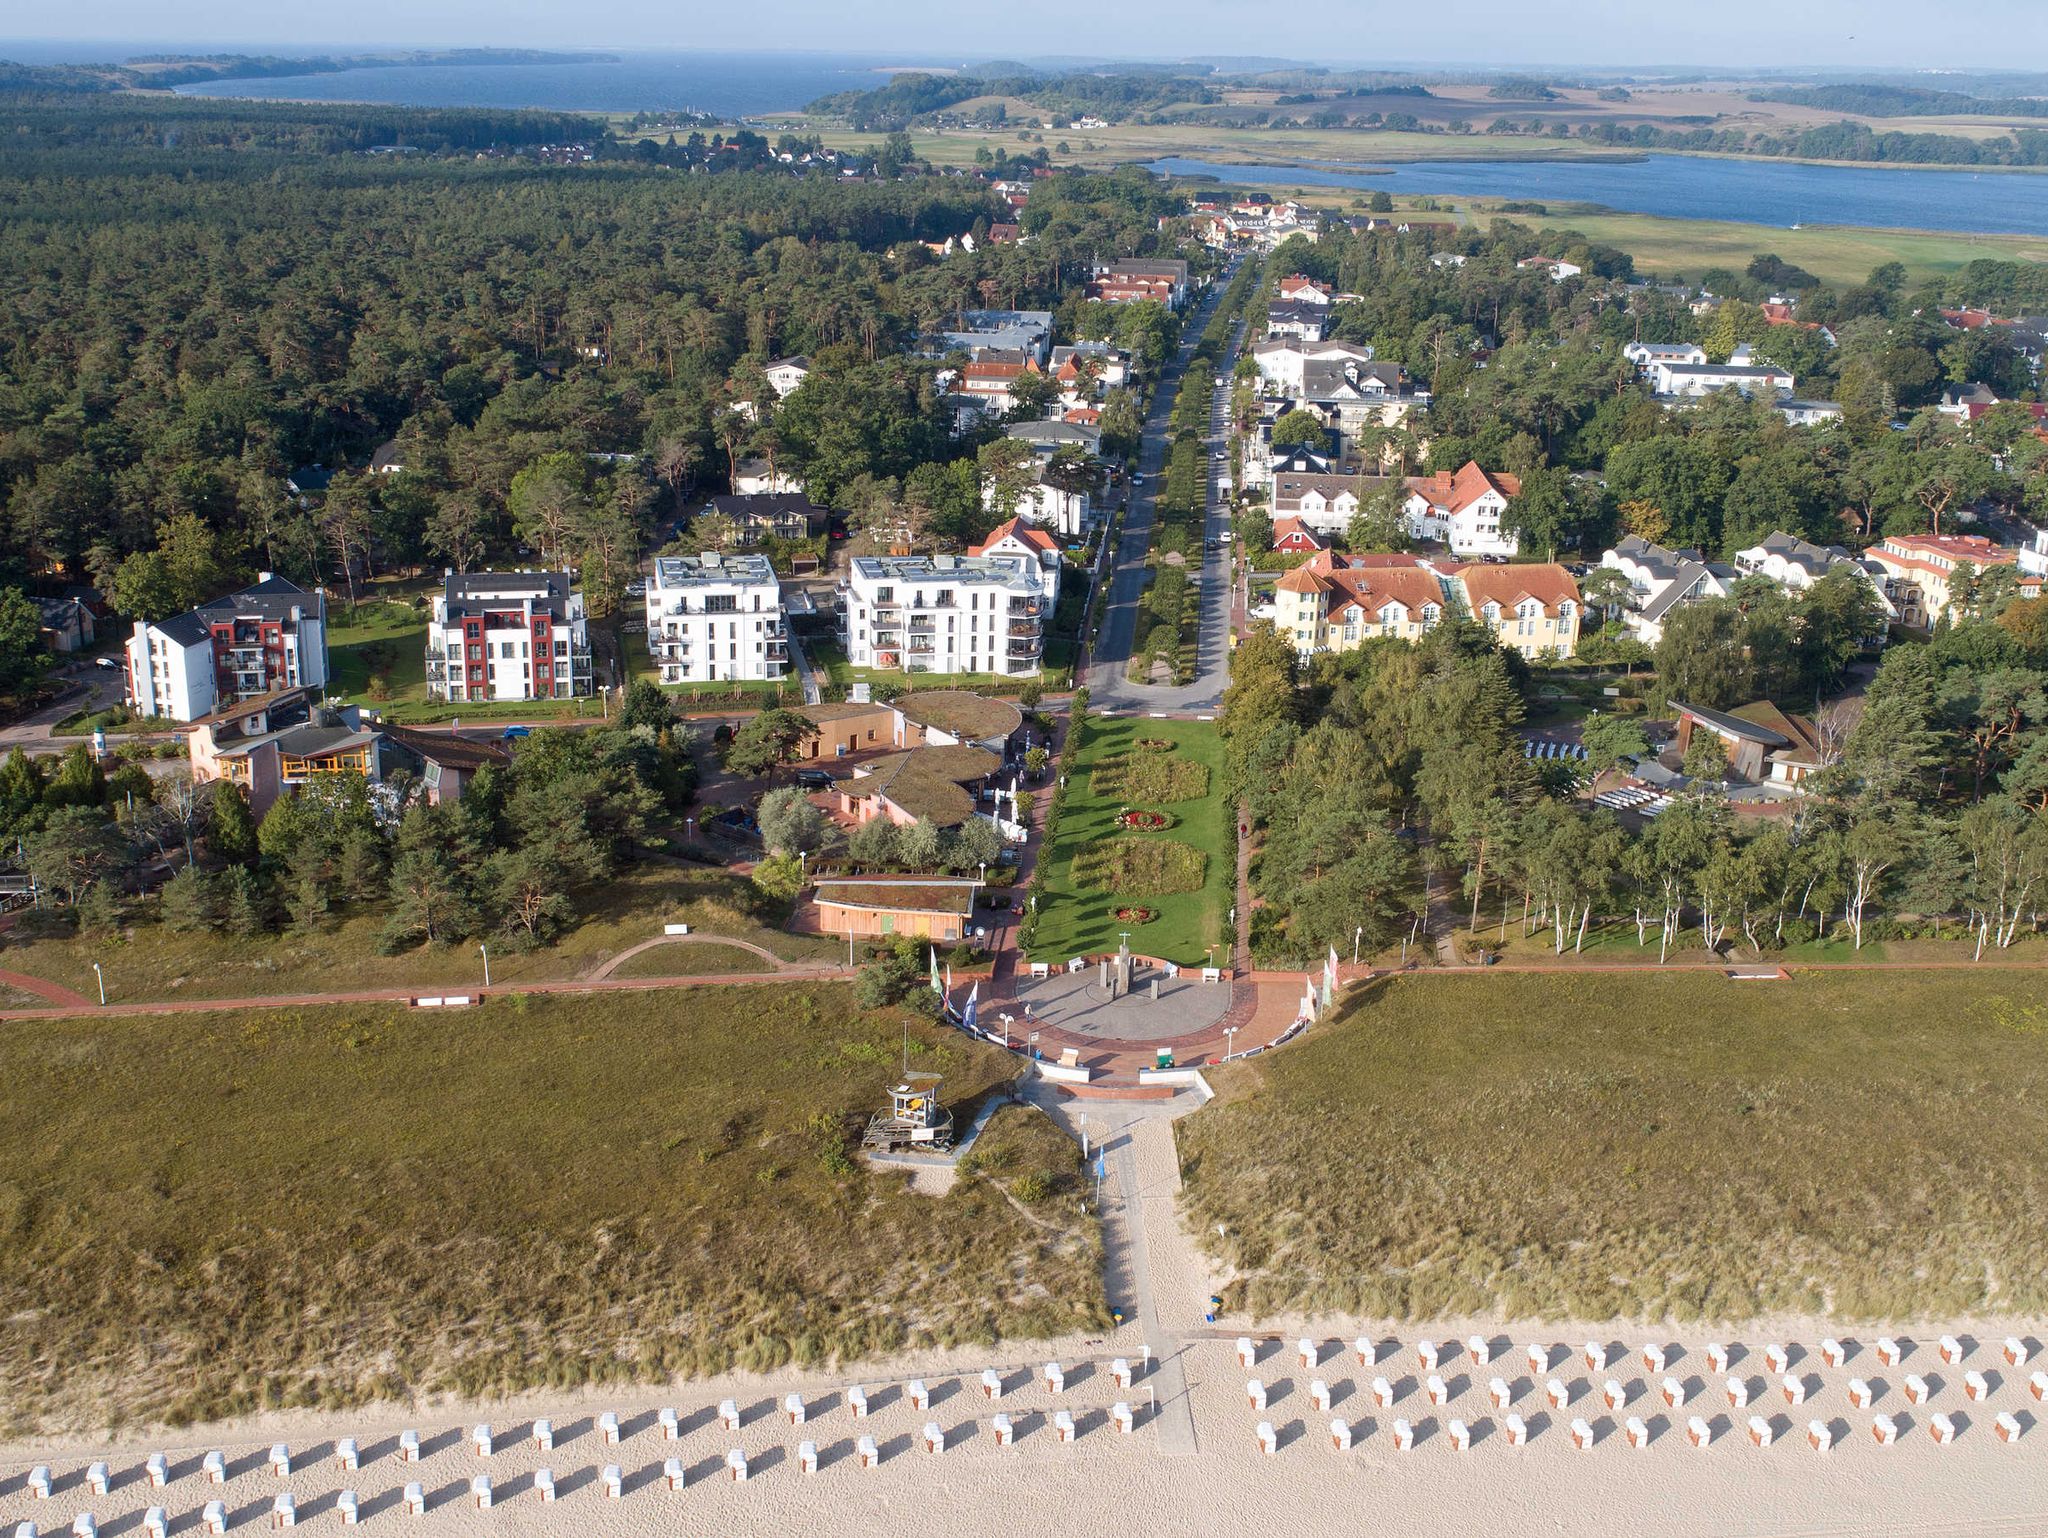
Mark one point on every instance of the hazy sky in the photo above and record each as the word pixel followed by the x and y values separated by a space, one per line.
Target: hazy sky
pixel 1841 33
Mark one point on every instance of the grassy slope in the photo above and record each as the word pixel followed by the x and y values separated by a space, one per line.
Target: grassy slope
pixel 1681 1146
pixel 1073 920
pixel 210 1214
pixel 152 962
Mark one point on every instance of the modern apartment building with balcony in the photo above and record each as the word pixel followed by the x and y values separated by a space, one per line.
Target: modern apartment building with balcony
pixel 267 637
pixel 945 613
pixel 716 616
pixel 508 635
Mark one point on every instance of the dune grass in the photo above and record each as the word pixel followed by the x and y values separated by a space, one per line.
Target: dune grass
pixel 1614 1146
pixel 149 962
pixel 213 1214
pixel 691 960
pixel 1075 915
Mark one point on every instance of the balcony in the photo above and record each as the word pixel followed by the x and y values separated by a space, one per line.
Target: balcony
pixel 1024 630
pixel 1027 651
pixel 775 651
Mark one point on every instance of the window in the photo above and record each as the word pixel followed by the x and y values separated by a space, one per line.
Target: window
pixel 505 650
pixel 721 603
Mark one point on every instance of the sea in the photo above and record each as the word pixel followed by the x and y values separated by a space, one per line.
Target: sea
pixel 726 84
pixel 745 84
pixel 1748 190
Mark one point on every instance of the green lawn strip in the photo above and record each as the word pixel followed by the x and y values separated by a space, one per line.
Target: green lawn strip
pixel 324 1207
pixel 148 961
pixel 1076 918
pixel 1619 1145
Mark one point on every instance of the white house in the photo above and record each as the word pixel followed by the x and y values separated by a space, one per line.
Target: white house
pixel 785 374
pixel 1558 270
pixel 716 616
pixel 1644 354
pixel 1795 564
pixel 1282 360
pixel 944 613
pixel 1017 538
pixel 1809 413
pixel 1689 381
pixel 267 637
pixel 1325 503
pixel 1071 513
pixel 754 478
pixel 508 635
pixel 1660 580
pixel 1464 511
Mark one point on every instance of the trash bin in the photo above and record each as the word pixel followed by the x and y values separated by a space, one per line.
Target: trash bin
pixel 1163 1058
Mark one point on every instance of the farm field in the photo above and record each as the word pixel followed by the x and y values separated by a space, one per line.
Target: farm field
pixel 213 1215
pixel 1612 1146
pixel 1076 915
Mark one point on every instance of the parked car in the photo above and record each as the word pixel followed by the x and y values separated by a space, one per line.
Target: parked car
pixel 814 779
pixel 637 588
pixel 107 662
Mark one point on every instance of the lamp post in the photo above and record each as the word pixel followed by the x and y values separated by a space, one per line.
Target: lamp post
pixel 487 964
pixel 1357 935
pixel 1229 1041
pixel 96 972
pixel 1034 1046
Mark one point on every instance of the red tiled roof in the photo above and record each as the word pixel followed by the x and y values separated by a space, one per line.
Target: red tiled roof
pixel 1018 530
pixel 1455 493
pixel 1546 582
pixel 1292 533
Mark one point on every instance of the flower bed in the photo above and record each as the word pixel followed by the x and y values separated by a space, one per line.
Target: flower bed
pixel 1155 744
pixel 1144 822
pixel 1140 867
pixel 1135 915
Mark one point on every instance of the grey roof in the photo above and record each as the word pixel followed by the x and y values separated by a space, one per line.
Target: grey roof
pixel 1149 268
pixel 387 455
pixel 1055 435
pixel 1735 726
pixel 549 591
pixel 711 567
pixel 1690 575
pixel 769 507
pixel 272 599
pixel 1725 371
pixel 1809 557
pixel 1008 570
pixel 1335 379
pixel 1660 562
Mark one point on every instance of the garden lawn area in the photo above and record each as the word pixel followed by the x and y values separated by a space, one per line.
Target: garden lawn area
pixel 1617 1145
pixel 378 640
pixel 217 1214
pixel 1140 867
pixel 1146 777
pixel 149 961
pixel 1075 914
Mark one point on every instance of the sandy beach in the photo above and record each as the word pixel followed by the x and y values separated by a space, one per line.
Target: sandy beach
pixel 1194 1462
pixel 1105 1482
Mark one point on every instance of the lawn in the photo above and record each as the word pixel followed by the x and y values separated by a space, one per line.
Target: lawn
pixel 151 962
pixel 1075 916
pixel 1612 1146
pixel 376 652
pixel 214 1214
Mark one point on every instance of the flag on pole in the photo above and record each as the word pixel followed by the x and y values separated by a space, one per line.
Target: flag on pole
pixel 949 981
pixel 936 988
pixel 1330 978
pixel 1308 998
pixel 973 1004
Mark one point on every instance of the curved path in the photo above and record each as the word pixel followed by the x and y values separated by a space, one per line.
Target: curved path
pixel 611 964
pixel 56 993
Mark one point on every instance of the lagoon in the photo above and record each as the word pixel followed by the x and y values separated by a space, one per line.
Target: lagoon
pixel 1750 190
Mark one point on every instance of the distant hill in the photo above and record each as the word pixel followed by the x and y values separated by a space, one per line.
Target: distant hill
pixel 163 72
pixel 1872 100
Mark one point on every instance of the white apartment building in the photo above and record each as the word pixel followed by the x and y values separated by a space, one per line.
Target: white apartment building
pixel 944 613
pixel 1281 361
pixel 508 635
pixel 713 617
pixel 270 636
